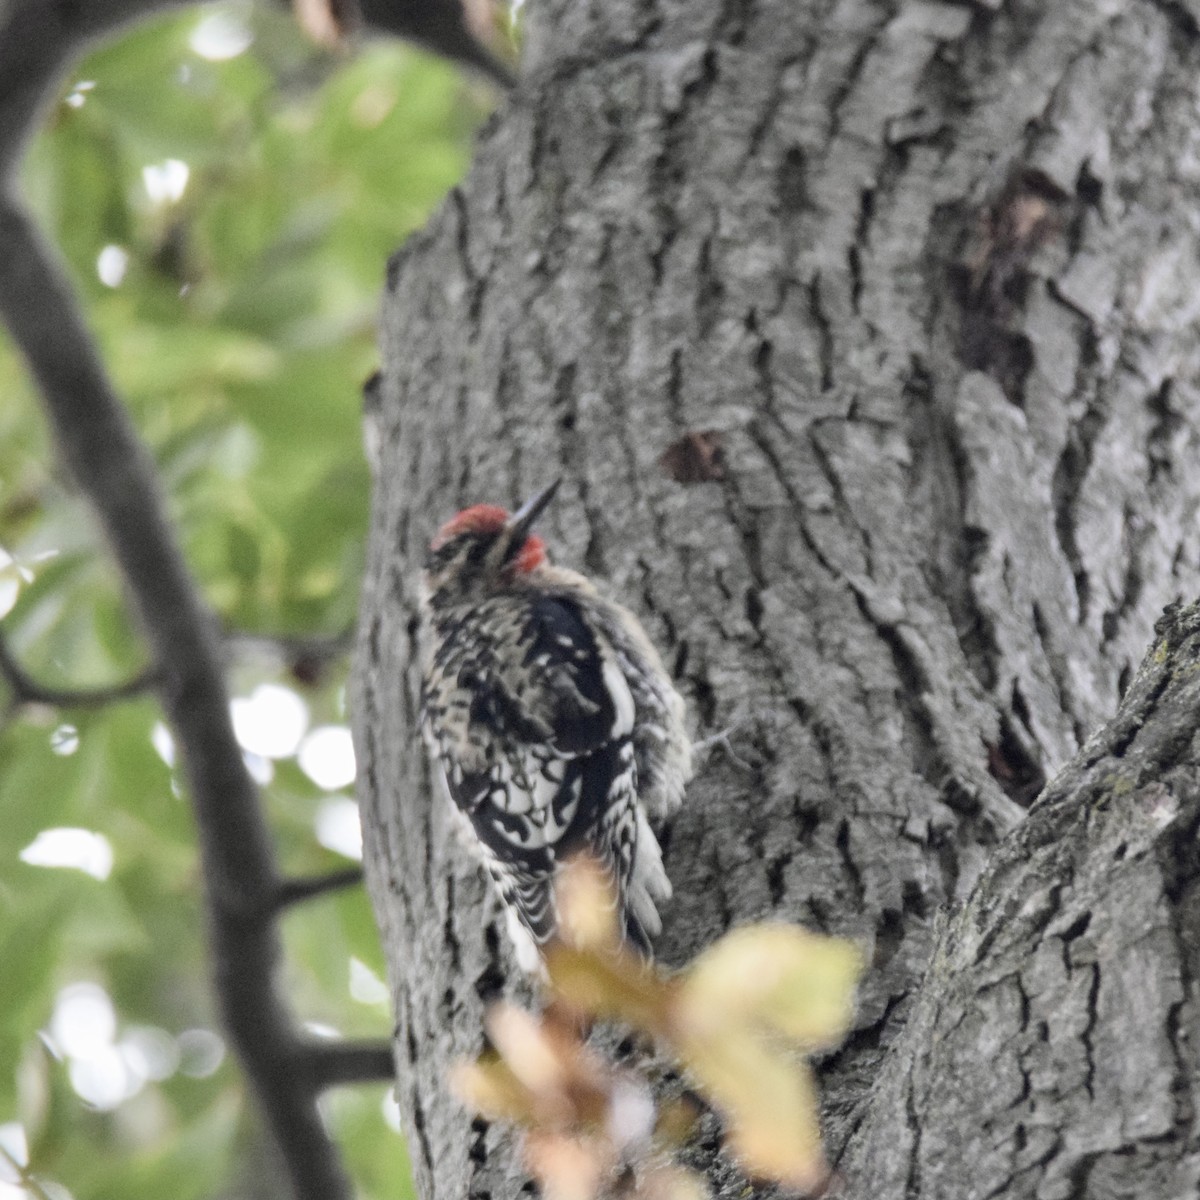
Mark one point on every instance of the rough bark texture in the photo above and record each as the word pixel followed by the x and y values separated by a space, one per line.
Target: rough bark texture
pixel 930 270
pixel 1050 1049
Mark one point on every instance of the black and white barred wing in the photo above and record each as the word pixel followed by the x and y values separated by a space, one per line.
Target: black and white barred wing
pixel 662 748
pixel 538 757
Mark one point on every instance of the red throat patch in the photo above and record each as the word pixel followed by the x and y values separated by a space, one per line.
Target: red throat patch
pixel 531 555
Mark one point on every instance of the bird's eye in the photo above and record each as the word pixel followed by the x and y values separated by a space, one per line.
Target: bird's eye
pixel 445 554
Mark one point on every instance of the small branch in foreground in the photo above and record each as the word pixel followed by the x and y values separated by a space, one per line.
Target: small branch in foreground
pixel 100 447
pixel 332 1064
pixel 305 657
pixel 27 690
pixel 289 645
pixel 296 891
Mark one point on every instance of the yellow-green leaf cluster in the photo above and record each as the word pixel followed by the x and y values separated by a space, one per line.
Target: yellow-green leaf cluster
pixel 739 1019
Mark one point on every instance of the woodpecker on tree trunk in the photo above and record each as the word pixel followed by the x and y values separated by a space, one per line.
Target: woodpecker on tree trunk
pixel 550 719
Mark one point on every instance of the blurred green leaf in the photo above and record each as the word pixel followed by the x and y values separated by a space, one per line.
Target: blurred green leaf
pixel 375 1153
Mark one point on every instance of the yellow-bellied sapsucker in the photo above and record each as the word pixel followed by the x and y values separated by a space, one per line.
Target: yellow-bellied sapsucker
pixel 551 720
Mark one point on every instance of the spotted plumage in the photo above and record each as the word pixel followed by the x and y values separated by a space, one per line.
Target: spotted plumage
pixel 550 720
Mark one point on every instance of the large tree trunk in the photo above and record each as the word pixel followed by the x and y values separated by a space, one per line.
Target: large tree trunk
pixel 929 270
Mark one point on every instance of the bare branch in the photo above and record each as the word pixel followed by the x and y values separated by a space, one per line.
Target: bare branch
pixel 100 447
pixel 440 26
pixel 331 1064
pixel 296 891
pixel 38 41
pixel 27 690
pixel 307 658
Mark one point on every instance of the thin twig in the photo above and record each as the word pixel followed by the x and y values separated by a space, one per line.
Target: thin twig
pixel 27 690
pixel 296 891
pixel 294 645
pixel 332 1064
pixel 307 657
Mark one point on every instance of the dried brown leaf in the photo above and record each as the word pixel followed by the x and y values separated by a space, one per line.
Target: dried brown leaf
pixel 329 23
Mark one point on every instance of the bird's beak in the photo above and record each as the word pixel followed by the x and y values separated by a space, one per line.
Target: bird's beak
pixel 521 522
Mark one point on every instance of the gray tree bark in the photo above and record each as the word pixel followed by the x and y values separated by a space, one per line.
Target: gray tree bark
pixel 929 272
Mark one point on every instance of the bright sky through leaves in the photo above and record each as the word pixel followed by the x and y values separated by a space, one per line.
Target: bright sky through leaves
pixel 165 182
pixel 270 721
pixel 326 756
pixel 111 264
pixel 338 827
pixel 79 849
pixel 221 35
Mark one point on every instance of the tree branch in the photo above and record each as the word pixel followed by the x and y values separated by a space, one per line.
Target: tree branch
pixel 99 446
pixel 332 1064
pixel 1034 970
pixel 27 690
pixel 305 657
pixel 296 891
pixel 39 39
pixel 440 26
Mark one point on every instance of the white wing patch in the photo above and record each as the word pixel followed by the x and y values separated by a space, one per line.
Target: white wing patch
pixel 622 698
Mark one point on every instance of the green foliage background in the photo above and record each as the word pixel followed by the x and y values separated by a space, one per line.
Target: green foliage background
pixel 239 336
